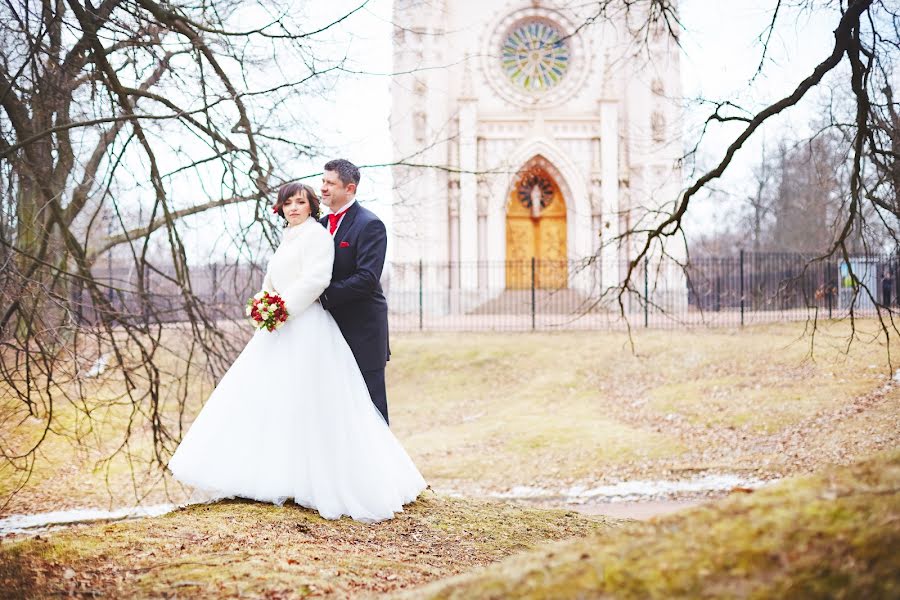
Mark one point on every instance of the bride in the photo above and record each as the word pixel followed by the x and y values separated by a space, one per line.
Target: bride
pixel 292 418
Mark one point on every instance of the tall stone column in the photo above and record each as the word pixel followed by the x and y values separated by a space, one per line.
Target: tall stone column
pixel 468 185
pixel 483 202
pixel 453 209
pixel 453 198
pixel 609 192
pixel 596 197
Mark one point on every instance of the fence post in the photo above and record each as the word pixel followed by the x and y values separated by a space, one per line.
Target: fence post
pixel 829 291
pixel 646 292
pixel 719 287
pixel 146 299
pixel 894 274
pixel 742 288
pixel 532 295
pixel 421 294
pixel 215 282
pixel 109 278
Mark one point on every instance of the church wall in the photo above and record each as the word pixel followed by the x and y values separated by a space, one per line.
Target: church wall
pixel 468 121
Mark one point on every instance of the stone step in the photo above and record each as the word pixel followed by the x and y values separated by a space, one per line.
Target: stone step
pixel 517 302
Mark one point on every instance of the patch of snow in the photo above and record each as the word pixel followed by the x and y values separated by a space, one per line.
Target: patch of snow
pixel 39 521
pixel 469 418
pixel 525 491
pixel 98 368
pixel 634 491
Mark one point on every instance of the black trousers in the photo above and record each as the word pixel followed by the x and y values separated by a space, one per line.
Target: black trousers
pixel 375 383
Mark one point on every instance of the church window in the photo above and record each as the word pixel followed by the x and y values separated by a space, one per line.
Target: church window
pixel 535 56
pixel 535 192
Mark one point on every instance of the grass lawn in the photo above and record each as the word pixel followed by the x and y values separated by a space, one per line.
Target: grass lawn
pixel 241 549
pixel 496 410
pixel 482 412
pixel 833 535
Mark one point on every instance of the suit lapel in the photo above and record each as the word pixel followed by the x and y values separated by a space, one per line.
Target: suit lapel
pixel 346 222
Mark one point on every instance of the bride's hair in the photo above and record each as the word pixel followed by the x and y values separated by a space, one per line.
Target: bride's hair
pixel 288 190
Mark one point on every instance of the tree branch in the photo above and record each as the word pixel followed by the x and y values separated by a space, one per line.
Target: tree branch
pixel 843 39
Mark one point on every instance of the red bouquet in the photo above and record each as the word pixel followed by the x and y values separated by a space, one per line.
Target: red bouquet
pixel 267 311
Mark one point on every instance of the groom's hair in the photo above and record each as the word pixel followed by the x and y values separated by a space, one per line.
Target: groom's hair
pixel 346 170
pixel 288 190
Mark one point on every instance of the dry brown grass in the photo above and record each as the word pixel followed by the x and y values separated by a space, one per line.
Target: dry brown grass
pixel 835 535
pixel 487 411
pixel 245 549
pixel 481 412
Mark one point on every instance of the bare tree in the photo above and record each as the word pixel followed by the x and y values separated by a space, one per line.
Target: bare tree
pixel 883 141
pixel 117 117
pixel 119 121
pixel 760 202
pixel 807 195
pixel 799 196
pixel 862 61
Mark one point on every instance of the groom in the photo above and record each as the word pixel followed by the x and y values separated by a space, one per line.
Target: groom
pixel 355 298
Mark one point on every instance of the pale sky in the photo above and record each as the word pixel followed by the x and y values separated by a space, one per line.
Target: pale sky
pixel 721 54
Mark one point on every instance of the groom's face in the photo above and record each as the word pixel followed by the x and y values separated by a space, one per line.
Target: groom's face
pixel 334 193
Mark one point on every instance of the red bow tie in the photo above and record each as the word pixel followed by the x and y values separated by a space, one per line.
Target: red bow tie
pixel 333 220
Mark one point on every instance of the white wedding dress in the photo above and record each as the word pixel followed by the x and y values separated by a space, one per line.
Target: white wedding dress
pixel 292 417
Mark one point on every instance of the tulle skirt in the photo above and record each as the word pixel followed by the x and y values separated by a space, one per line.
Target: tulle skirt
pixel 292 419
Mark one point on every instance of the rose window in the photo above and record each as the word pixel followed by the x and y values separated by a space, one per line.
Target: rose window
pixel 535 192
pixel 535 56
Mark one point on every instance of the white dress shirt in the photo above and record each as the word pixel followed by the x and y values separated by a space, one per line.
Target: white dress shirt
pixel 341 220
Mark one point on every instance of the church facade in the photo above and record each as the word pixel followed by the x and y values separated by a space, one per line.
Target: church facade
pixel 530 140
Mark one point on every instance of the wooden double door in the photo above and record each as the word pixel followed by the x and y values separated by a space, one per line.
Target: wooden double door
pixel 536 229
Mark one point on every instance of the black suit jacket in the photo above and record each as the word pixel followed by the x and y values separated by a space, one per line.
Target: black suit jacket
pixel 355 298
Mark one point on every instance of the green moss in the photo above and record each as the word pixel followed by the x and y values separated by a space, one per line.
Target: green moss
pixel 257 549
pixel 834 535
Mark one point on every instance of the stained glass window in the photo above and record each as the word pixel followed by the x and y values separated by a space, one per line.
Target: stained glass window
pixel 535 186
pixel 534 56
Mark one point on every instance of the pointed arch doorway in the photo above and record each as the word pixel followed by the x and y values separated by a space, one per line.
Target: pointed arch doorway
pixel 536 229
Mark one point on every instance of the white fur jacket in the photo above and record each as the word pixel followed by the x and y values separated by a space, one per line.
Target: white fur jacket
pixel 300 269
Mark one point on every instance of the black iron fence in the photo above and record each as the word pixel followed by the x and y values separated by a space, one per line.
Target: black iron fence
pixel 557 295
pixel 706 291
